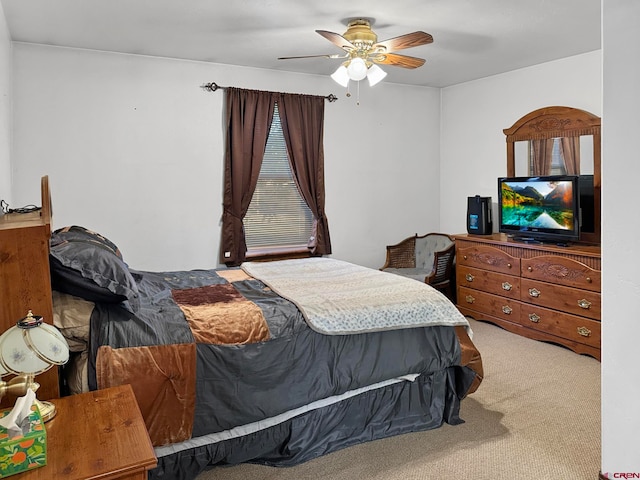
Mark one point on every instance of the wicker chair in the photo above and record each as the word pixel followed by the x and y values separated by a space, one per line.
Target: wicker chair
pixel 428 258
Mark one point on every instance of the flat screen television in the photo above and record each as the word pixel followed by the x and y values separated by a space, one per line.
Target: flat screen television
pixel 540 209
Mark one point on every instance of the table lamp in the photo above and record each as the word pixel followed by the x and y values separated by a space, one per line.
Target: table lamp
pixel 28 349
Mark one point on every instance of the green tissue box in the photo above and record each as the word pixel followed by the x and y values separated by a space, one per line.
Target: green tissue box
pixel 24 451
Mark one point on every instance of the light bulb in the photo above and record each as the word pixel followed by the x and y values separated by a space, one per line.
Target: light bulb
pixel 357 69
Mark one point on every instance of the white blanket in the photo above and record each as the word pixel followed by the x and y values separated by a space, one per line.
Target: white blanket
pixel 338 297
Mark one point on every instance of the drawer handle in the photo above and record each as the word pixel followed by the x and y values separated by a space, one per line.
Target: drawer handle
pixel 534 292
pixel 469 299
pixel 530 268
pixel 464 256
pixel 584 331
pixel 507 309
pixel 508 265
pixel 469 277
pixel 584 303
pixel 506 286
pixel 534 318
pixel 589 280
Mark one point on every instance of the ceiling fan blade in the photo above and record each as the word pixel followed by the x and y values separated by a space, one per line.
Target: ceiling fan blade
pixel 409 40
pixel 337 39
pixel 313 56
pixel 398 60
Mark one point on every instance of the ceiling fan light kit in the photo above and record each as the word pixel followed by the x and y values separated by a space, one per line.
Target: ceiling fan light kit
pixel 357 69
pixel 363 52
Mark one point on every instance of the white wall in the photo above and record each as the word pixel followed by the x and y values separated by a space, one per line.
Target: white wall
pixel 621 230
pixel 134 149
pixel 474 114
pixel 5 110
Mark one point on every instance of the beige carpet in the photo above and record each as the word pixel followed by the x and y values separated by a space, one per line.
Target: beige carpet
pixel 535 416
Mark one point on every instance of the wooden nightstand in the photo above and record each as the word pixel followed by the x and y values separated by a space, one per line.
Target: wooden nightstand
pixel 96 435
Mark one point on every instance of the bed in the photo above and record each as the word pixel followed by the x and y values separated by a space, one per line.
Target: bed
pixel 271 362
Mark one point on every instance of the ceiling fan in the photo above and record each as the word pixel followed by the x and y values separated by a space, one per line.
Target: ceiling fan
pixel 362 52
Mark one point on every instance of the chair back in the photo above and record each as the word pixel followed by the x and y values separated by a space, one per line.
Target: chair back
pixel 427 245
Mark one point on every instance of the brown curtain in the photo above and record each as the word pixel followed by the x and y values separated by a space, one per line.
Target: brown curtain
pixel 302 120
pixel 248 119
pixel 571 154
pixel 542 156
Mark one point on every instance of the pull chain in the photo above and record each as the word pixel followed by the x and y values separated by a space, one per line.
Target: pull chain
pixel 348 95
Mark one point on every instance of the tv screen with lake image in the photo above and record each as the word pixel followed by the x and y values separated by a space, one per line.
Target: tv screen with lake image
pixel 535 204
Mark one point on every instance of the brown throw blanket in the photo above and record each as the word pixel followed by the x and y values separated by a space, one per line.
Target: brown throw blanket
pixel 219 314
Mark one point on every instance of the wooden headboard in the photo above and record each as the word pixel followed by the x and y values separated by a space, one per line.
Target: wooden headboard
pixel 25 278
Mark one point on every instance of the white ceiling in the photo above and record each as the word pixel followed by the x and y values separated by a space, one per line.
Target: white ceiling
pixel 472 38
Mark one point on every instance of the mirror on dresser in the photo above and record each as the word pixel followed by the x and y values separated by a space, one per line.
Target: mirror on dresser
pixel 560 140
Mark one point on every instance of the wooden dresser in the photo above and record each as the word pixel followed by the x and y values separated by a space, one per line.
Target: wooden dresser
pixel 544 292
pixel 25 279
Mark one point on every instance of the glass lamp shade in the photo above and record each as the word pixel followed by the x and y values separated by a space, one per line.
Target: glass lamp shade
pixel 32 347
pixel 26 350
pixel 357 69
pixel 341 76
pixel 375 75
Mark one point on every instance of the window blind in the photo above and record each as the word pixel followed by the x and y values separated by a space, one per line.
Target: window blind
pixel 277 216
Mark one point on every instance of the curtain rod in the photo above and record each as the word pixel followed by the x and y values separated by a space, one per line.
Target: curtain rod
pixel 213 86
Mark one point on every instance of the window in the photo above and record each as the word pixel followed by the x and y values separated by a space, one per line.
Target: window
pixel 278 217
pixel 279 223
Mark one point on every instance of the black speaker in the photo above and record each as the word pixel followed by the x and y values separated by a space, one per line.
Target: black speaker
pixel 479 215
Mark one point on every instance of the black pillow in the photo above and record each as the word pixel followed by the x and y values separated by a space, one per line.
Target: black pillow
pixel 82 234
pixel 88 265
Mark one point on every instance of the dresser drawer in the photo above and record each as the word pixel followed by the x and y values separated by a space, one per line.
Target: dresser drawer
pixel 488 258
pixel 564 325
pixel 487 281
pixel 489 304
pixel 566 299
pixel 561 271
